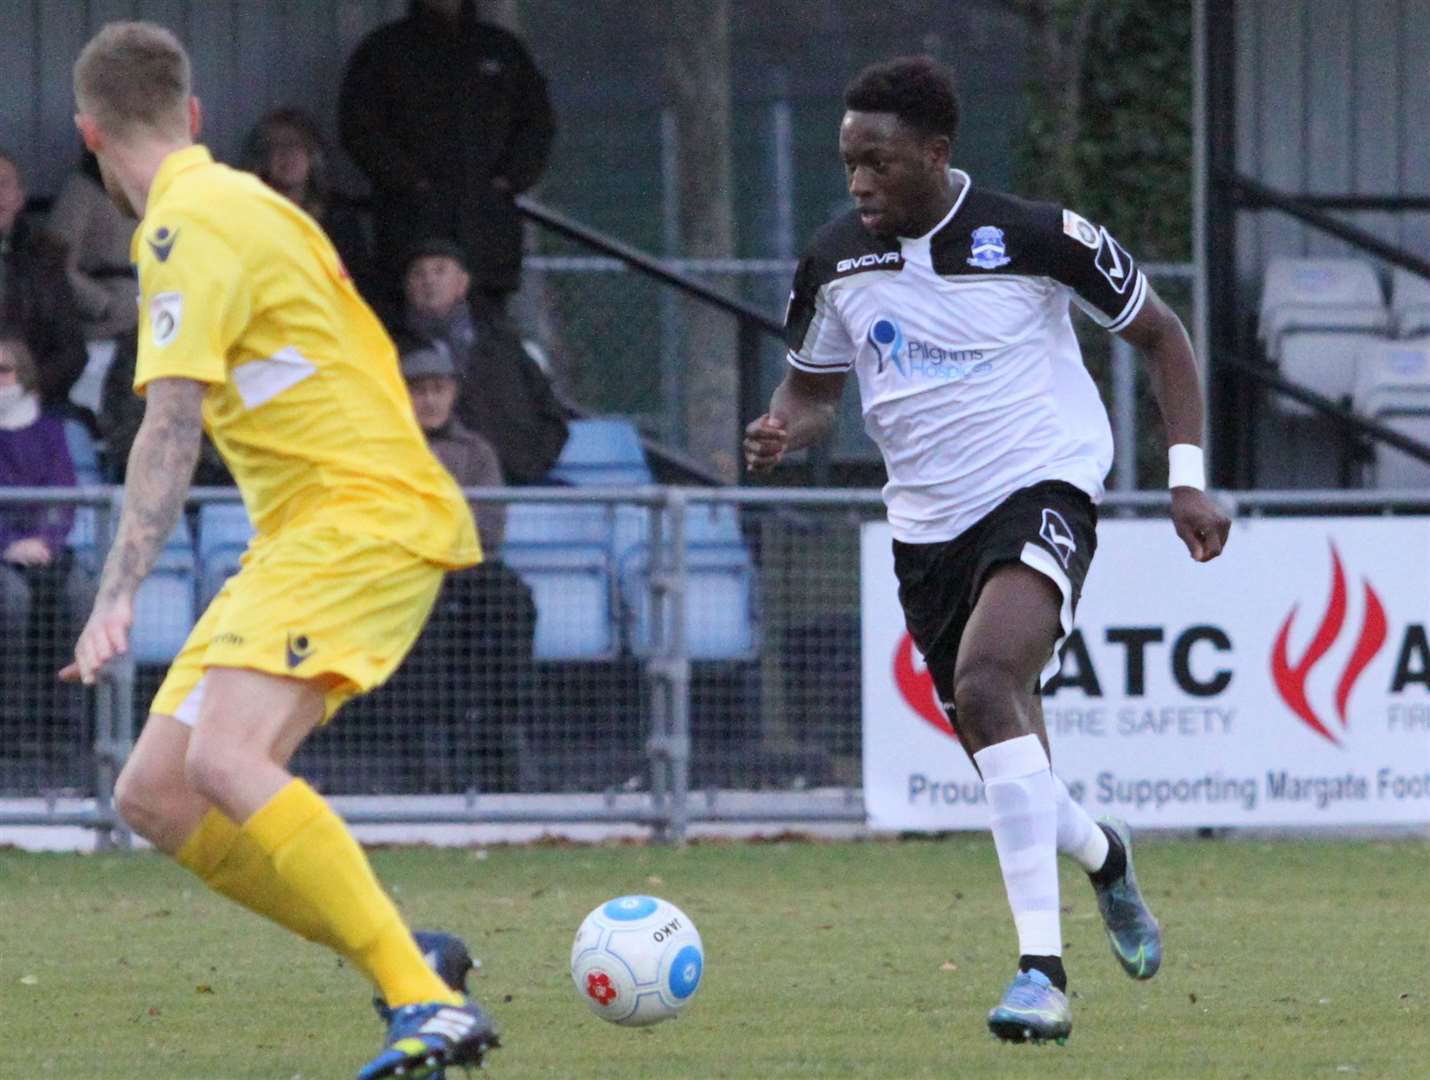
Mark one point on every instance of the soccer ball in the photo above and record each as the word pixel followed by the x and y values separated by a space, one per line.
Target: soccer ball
pixel 637 960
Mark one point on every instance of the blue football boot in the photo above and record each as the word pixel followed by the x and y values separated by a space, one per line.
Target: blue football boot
pixel 1032 1010
pixel 447 955
pixel 426 1038
pixel 1131 928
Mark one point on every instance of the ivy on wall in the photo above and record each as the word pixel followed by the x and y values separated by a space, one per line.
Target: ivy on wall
pixel 1122 154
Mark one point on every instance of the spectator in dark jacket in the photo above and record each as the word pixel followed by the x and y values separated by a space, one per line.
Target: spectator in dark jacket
pixel 35 294
pixel 503 395
pixel 449 118
pixel 287 152
pixel 42 590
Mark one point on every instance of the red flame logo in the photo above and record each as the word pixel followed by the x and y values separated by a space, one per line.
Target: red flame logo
pixel 916 685
pixel 1291 678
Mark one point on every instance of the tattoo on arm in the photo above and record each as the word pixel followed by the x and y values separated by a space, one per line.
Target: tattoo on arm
pixel 161 468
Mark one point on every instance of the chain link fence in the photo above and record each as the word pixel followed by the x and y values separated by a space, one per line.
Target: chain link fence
pixel 639 644
pixel 654 656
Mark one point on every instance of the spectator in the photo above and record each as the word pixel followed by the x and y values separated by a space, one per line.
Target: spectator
pixel 121 411
pixel 97 237
pixel 43 593
pixel 287 152
pixel 432 382
pixel 473 665
pixel 449 118
pixel 502 394
pixel 35 294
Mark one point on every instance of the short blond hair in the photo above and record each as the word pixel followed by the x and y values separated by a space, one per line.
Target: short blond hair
pixel 132 76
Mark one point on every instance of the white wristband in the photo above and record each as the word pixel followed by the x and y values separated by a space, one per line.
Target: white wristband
pixel 1186 467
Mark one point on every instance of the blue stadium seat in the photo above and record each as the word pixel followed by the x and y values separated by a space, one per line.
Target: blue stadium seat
pixel 719 601
pixel 83 539
pixel 558 523
pixel 164 607
pixel 571 587
pixel 603 453
pixel 224 533
pixel 83 453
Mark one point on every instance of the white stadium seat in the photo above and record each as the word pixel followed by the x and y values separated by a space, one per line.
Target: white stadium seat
pixel 1410 303
pixel 1315 314
pixel 1393 386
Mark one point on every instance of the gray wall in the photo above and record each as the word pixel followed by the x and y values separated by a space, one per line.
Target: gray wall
pixel 1333 97
pixel 249 56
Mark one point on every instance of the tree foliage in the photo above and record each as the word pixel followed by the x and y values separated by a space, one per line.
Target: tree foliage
pixel 1110 129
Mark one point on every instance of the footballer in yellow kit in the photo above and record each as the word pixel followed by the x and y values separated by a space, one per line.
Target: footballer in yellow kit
pixel 356 519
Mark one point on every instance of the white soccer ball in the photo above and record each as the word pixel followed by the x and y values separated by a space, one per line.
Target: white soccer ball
pixel 637 960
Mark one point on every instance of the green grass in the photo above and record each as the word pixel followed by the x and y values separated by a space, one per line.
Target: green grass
pixel 1293 959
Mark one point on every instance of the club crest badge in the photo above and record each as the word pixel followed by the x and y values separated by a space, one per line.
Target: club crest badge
pixel 166 311
pixel 989 251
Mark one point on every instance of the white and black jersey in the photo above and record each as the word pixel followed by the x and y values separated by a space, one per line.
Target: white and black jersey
pixel 970 375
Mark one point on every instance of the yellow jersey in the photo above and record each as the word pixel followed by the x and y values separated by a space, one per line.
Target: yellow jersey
pixel 243 291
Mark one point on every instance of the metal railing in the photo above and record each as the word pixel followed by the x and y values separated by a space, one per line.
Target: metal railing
pixel 719 682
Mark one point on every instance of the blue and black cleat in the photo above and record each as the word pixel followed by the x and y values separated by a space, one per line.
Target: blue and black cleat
pixel 447 955
pixel 1131 928
pixel 425 1039
pixel 1032 1010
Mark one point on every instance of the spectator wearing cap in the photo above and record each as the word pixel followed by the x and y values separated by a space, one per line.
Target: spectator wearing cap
pixel 502 394
pixel 473 666
pixel 432 382
pixel 450 119
pixel 35 294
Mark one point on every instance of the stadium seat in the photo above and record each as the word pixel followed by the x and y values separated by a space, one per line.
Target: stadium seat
pixel 1393 386
pixel 572 589
pixel 83 453
pixel 558 523
pixel 224 533
pixel 83 538
pixel 1410 303
pixel 719 601
pixel 603 453
pixel 1315 314
pixel 164 609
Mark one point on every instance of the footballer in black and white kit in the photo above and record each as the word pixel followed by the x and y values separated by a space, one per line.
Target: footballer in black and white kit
pixel 951 303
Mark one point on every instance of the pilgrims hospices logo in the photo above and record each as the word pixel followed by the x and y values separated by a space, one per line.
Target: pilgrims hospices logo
pixel 1291 676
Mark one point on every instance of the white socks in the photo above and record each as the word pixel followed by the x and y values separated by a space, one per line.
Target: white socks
pixel 1078 835
pixel 1023 798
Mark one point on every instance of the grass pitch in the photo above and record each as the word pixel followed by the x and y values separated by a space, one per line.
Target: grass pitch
pixel 879 959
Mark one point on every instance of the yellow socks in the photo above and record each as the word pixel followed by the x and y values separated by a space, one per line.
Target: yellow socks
pixel 226 859
pixel 317 859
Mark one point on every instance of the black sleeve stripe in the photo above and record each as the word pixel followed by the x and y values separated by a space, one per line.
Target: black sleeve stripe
pixel 800 362
pixel 1133 306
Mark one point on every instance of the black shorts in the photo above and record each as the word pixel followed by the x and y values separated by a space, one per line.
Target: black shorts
pixel 1051 527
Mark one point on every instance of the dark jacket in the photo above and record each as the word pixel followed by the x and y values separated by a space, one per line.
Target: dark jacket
pixel 503 394
pixel 433 113
pixel 40 301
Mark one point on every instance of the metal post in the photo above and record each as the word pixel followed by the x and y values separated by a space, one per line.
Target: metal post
pixel 668 673
pixel 114 710
pixel 671 383
pixel 679 671
pixel 1124 416
pixel 1201 326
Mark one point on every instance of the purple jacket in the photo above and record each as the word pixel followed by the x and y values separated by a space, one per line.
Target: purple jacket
pixel 36 456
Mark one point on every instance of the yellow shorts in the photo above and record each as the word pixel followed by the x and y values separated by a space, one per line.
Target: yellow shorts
pixel 318 603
